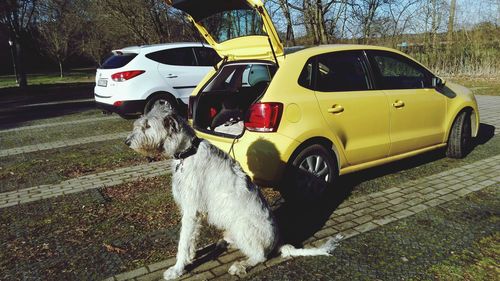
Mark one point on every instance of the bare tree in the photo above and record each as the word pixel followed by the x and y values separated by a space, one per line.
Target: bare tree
pixel 366 13
pixel 18 16
pixel 58 29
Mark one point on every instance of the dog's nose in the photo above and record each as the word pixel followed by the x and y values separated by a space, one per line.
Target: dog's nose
pixel 128 141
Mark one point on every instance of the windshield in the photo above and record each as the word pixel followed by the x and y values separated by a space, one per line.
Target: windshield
pixel 227 25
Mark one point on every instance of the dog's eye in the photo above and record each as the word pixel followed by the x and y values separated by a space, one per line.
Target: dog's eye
pixel 147 126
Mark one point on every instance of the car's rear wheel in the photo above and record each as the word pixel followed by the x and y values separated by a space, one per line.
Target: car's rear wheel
pixel 160 99
pixel 460 139
pixel 310 173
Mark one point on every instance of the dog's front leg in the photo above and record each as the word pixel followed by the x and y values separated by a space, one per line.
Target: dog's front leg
pixel 186 240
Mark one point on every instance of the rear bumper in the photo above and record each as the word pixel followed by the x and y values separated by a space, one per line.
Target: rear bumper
pixel 263 156
pixel 130 107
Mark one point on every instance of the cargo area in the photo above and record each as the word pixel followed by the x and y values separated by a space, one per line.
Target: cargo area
pixel 222 106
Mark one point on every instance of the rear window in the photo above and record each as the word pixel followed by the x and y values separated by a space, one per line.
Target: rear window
pixel 227 25
pixel 118 60
pixel 237 76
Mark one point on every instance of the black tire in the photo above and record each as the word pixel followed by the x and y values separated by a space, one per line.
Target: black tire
pixel 309 174
pixel 460 139
pixel 162 98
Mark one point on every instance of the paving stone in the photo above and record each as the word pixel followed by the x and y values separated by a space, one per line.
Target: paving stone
pixel 449 197
pixel 399 207
pixel 164 264
pixel 201 276
pixel 275 261
pixel 382 205
pixel 220 270
pixel 207 266
pixel 363 212
pixel 365 227
pixel 343 211
pixel 394 195
pixel 131 274
pixel 154 276
pixel 381 213
pixel 363 219
pixel 345 225
pixel 385 220
pixel 325 232
pixel 402 214
pixel 231 257
pixel 418 208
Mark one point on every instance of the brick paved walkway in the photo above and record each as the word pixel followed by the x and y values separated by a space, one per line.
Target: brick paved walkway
pixel 88 120
pixel 60 144
pixel 108 178
pixel 357 215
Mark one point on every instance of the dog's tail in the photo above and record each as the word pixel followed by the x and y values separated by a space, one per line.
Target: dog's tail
pixel 325 250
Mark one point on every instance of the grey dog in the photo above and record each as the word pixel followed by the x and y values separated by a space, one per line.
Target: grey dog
pixel 207 182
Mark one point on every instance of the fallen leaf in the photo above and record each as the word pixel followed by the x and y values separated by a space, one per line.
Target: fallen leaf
pixel 113 249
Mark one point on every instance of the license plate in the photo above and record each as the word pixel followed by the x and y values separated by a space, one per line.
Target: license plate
pixel 102 82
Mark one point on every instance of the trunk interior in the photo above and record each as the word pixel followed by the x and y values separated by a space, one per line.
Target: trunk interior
pixel 222 105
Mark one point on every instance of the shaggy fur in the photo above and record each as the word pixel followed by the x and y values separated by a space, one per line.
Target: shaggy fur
pixel 211 183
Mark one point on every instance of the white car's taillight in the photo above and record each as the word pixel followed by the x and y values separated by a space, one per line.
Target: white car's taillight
pixel 264 117
pixel 126 75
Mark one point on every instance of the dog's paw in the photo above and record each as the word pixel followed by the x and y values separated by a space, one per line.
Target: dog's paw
pixel 237 269
pixel 172 273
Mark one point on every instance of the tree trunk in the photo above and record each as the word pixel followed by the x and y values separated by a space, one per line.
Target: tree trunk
pixel 23 82
pixel 61 68
pixel 451 21
pixel 289 26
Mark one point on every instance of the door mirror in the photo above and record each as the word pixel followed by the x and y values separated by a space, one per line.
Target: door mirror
pixel 437 82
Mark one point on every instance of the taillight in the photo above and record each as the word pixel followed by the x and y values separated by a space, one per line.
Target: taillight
pixel 264 117
pixel 126 75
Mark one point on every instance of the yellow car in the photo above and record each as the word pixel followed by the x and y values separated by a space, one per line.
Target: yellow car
pixel 323 111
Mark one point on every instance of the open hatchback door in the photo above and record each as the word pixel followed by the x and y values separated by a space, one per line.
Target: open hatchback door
pixel 236 29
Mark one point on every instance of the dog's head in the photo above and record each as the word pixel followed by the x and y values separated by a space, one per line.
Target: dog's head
pixel 160 131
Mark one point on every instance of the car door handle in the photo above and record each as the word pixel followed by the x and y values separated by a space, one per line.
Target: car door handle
pixel 337 108
pixel 398 104
pixel 171 76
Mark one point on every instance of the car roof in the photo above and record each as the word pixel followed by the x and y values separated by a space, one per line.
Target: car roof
pixel 311 51
pixel 158 47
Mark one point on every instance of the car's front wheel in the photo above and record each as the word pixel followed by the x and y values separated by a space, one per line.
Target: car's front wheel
pixel 460 139
pixel 310 173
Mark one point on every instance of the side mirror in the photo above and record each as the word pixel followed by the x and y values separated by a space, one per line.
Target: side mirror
pixel 437 82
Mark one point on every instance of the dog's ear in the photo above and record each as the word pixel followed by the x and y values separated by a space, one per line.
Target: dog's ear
pixel 170 122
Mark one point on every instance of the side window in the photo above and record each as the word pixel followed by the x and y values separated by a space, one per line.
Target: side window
pixel 178 56
pixel 206 56
pixel 394 71
pixel 341 71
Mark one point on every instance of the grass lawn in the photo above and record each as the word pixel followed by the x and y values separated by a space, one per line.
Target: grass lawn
pixel 86 75
pixel 63 132
pixel 479 86
pixel 90 235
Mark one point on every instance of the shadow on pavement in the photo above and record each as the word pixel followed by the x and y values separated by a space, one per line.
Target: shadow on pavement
pixel 43 101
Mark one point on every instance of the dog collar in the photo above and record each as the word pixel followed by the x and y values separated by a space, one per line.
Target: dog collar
pixel 195 142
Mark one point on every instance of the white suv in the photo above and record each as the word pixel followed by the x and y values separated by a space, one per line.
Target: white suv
pixel 133 79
